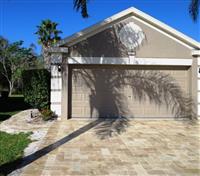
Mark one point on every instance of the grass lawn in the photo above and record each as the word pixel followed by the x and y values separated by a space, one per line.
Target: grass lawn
pixel 12 146
pixel 11 106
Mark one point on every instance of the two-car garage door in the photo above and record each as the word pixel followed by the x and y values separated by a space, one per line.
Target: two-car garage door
pixel 111 91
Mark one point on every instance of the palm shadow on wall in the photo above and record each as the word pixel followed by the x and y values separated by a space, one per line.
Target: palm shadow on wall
pixel 147 85
pixel 153 86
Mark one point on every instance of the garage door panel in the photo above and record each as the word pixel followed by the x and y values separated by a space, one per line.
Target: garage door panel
pixel 106 92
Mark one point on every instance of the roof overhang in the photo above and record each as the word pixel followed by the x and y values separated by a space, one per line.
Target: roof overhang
pixel 79 36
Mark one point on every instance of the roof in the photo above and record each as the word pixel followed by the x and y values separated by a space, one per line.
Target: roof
pixel 94 29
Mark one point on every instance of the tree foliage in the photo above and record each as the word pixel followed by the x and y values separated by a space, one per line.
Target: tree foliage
pixel 48 35
pixel 13 60
pixel 81 5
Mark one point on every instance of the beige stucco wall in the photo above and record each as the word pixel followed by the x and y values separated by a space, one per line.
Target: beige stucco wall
pixel 107 44
pixel 80 94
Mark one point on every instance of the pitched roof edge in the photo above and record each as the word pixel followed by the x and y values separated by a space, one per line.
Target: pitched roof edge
pixel 123 14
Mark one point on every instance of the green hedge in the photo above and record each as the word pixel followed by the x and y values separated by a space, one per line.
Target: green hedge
pixel 36 88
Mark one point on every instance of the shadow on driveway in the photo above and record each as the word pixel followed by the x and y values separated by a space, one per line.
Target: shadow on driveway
pixel 20 163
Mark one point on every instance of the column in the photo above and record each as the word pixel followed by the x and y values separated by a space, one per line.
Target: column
pixel 65 88
pixel 56 85
pixel 59 81
pixel 198 85
pixel 196 80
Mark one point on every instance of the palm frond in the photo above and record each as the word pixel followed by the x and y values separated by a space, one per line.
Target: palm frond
pixel 81 5
pixel 47 33
pixel 194 9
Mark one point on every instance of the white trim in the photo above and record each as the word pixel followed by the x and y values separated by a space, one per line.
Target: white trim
pixel 55 96
pixel 56 108
pixel 119 16
pixel 56 83
pixel 58 50
pixel 198 83
pixel 130 61
pixel 198 109
pixel 198 97
pixel 195 52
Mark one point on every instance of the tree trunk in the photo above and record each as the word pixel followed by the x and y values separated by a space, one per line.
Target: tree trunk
pixel 46 56
pixel 10 87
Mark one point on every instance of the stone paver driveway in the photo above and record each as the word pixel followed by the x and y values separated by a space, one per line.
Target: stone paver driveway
pixel 147 147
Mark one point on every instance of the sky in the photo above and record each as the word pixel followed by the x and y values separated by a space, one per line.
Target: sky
pixel 19 18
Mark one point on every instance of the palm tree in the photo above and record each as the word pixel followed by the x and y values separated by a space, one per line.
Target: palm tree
pixel 82 5
pixel 194 9
pixel 48 35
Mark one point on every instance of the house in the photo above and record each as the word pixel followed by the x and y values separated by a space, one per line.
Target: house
pixel 130 64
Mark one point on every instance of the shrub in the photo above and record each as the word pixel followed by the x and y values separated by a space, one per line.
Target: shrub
pixel 4 95
pixel 47 114
pixel 36 88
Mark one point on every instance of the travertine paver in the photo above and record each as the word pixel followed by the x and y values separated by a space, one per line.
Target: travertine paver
pixel 148 147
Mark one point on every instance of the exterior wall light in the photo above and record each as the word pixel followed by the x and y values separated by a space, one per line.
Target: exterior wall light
pixel 59 67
